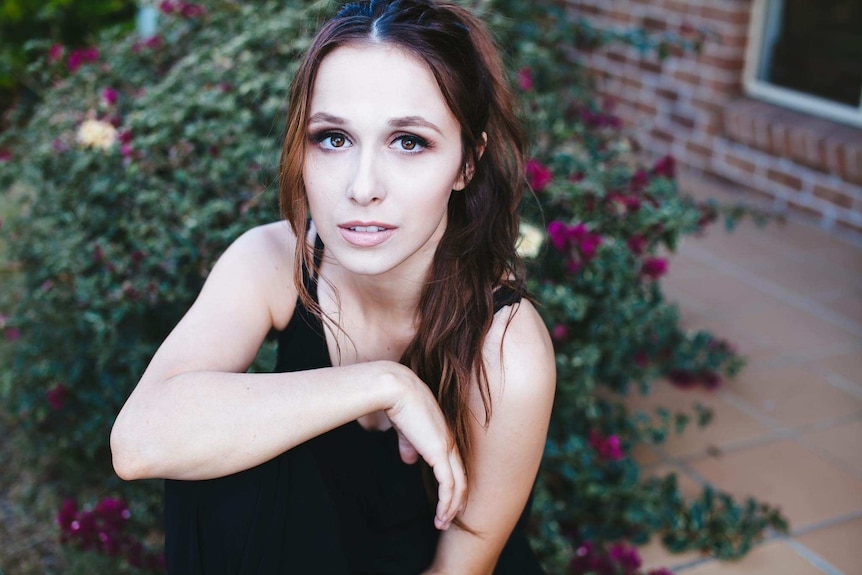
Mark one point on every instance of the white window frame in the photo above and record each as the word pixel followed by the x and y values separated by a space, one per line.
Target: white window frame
pixel 778 95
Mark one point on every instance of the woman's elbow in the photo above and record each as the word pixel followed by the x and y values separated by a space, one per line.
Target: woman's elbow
pixel 128 461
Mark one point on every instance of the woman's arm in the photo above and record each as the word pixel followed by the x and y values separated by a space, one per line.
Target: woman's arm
pixel 505 454
pixel 196 415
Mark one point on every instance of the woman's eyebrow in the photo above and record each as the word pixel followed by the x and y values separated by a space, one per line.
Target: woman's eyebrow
pixel 326 118
pixel 408 121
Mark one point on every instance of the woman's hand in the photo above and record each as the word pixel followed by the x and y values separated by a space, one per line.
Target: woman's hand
pixel 423 432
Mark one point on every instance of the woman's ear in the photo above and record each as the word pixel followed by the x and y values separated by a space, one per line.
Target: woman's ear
pixel 469 166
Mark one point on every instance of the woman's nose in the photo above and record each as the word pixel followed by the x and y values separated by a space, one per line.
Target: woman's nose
pixel 365 186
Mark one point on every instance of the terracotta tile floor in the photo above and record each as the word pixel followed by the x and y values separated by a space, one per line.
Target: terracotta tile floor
pixel 788 430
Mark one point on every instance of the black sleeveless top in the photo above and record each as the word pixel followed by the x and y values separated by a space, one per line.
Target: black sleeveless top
pixel 342 503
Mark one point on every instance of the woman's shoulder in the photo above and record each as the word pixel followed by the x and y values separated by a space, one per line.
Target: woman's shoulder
pixel 518 343
pixel 264 256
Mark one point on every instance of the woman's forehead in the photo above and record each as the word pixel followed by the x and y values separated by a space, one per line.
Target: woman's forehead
pixel 375 78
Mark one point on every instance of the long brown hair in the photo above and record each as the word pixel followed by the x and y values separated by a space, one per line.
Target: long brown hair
pixel 477 251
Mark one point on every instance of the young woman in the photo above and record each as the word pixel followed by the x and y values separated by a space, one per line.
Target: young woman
pixel 397 296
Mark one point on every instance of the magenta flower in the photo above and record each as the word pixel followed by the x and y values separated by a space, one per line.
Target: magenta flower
pixel 525 79
pixel 654 268
pixel 665 167
pixel 639 181
pixel 56 396
pixel 560 333
pixel 608 448
pixel 109 96
pixel 682 378
pixel 56 52
pixel 80 57
pixel 660 571
pixel 641 359
pixel 558 236
pixel 637 244
pixel 538 175
pixel 12 334
pixel 625 556
pixel 5 156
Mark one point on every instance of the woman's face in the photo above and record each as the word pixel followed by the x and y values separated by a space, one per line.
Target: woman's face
pixel 382 157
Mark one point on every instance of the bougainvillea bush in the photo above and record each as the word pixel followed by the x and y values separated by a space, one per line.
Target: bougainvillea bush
pixel 147 157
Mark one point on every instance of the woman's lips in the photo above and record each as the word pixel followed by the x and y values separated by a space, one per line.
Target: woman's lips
pixel 365 235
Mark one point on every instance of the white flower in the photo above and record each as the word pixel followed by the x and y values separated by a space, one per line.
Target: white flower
pixel 96 134
pixel 530 239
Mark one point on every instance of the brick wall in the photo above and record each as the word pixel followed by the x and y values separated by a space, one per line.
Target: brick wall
pixel 693 106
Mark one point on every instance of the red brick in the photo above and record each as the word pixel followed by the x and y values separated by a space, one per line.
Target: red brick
pixel 681 8
pixel 848 226
pixel 784 178
pixel 616 56
pixel 589 9
pixel 723 62
pixel 687 78
pixel 667 94
pixel 740 163
pixel 632 82
pixel 620 17
pixel 650 66
pixel 653 24
pixel 833 195
pixel 661 135
pixel 721 14
pixel 800 207
pixel 646 109
pixel 704 153
pixel 681 120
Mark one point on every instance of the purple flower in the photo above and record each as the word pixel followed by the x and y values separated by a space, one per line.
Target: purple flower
pixel 538 175
pixel 665 167
pixel 525 79
pixel 56 396
pixel 654 268
pixel 56 52
pixel 109 96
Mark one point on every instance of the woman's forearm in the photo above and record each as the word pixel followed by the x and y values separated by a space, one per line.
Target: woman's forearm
pixel 201 425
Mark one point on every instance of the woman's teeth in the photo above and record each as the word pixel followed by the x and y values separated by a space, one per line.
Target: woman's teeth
pixel 367 229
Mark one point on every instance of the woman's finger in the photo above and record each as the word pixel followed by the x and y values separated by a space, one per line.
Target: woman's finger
pixel 445 491
pixel 459 474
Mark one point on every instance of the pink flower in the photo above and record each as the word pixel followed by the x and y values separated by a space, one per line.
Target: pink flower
pixel 82 56
pixel 641 359
pixel 660 571
pixel 168 7
pixel 5 156
pixel 637 244
pixel 56 396
pixel 682 378
pixel 56 52
pixel 109 96
pixel 560 333
pixel 638 181
pixel 538 175
pixel 665 167
pixel 12 334
pixel 607 448
pixel 525 79
pixel 625 557
pixel 654 268
pixel 558 236
pixel 710 379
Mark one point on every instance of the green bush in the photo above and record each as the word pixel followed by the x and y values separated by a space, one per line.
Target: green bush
pixel 139 167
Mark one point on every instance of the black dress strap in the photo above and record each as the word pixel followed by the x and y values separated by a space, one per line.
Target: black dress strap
pixel 505 295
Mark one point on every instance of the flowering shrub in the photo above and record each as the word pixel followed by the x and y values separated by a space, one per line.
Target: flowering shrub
pixel 146 157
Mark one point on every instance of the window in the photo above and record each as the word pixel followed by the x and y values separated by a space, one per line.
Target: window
pixel 807 55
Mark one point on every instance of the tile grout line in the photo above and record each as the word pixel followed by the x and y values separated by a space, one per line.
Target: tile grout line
pixel 812 557
pixel 801 303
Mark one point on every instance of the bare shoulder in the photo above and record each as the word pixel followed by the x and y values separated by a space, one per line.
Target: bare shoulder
pixel 262 259
pixel 519 357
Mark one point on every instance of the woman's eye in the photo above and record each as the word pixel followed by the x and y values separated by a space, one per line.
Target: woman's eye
pixel 412 143
pixel 335 140
pixel 331 140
